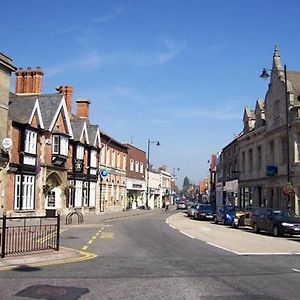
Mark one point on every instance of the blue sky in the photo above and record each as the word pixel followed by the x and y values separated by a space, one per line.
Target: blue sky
pixel 180 72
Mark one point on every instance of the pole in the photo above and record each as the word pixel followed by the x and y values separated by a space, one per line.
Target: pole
pixel 287 132
pixel 148 165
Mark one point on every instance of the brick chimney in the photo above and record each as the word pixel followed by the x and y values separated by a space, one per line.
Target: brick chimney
pixel 67 91
pixel 83 108
pixel 28 81
pixel 37 80
pixel 19 81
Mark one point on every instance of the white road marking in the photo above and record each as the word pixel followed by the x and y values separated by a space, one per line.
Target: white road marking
pixel 296 270
pixel 223 248
pixel 172 226
pixel 186 234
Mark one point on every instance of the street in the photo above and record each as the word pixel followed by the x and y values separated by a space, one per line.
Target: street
pixel 142 257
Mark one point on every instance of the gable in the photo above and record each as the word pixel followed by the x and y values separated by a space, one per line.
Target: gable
pixel 84 138
pixel 60 123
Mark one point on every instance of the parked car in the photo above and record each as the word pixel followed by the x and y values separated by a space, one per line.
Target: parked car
pixel 242 218
pixel 225 214
pixel 181 204
pixel 276 221
pixel 193 209
pixel 204 212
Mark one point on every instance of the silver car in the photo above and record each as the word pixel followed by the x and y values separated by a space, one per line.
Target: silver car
pixel 193 209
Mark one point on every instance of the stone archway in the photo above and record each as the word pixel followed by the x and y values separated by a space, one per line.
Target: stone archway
pixel 53 191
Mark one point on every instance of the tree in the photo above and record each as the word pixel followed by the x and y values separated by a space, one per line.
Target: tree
pixel 186 184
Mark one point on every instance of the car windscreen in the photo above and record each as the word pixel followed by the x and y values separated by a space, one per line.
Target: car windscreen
pixel 285 214
pixel 205 208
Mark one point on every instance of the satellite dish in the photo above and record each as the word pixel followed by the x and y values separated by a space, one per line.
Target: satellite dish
pixel 6 143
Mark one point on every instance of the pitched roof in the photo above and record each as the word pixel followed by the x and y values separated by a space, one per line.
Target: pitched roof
pixel 77 127
pixel 49 104
pixel 92 133
pixel 20 108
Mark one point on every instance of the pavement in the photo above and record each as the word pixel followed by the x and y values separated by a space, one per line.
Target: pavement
pixel 66 255
pixel 238 241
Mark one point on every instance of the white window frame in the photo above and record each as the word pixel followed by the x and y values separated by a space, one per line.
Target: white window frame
pixel 85 194
pixel 92 194
pixel 79 152
pixel 137 167
pixel 78 193
pixel 55 144
pixel 131 165
pixel 93 159
pixel 26 183
pixel 64 145
pixel 142 168
pixel 60 145
pixel 30 141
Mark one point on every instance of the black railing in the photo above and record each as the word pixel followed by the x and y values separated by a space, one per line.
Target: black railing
pixel 34 234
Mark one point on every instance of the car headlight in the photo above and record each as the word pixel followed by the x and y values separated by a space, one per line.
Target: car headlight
pixel 287 224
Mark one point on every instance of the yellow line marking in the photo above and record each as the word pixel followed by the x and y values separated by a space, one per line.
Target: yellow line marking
pixel 84 255
pixel 84 248
pixel 97 233
pixel 94 237
pixel 107 235
pixel 90 241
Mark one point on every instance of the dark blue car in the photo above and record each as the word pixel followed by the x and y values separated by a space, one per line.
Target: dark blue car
pixel 225 214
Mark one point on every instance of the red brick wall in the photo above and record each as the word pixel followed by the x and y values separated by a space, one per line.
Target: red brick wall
pixel 139 156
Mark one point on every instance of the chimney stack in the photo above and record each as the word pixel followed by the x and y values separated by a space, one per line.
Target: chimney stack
pixel 67 91
pixel 37 80
pixel 19 81
pixel 28 81
pixel 83 108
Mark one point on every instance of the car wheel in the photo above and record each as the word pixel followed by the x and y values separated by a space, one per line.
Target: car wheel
pixel 276 231
pixel 255 228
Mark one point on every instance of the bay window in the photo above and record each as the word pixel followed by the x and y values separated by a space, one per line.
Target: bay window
pixel 60 145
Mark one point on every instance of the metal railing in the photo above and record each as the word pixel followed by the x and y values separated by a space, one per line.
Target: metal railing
pixel 34 234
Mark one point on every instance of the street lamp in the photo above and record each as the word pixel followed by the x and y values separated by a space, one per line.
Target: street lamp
pixel 148 167
pixel 266 75
pixel 175 169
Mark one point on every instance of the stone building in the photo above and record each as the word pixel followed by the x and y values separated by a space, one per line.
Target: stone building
pixel 268 140
pixel 113 160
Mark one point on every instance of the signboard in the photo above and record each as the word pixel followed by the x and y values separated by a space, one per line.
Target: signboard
pixel 104 173
pixel 271 170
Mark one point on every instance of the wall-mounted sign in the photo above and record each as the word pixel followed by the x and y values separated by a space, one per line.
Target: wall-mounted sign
pixel 104 173
pixel 271 170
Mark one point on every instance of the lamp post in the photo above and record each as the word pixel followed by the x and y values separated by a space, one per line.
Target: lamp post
pixel 148 167
pixel 266 75
pixel 175 169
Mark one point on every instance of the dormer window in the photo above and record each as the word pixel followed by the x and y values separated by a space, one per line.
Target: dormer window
pixel 30 147
pixel 60 145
